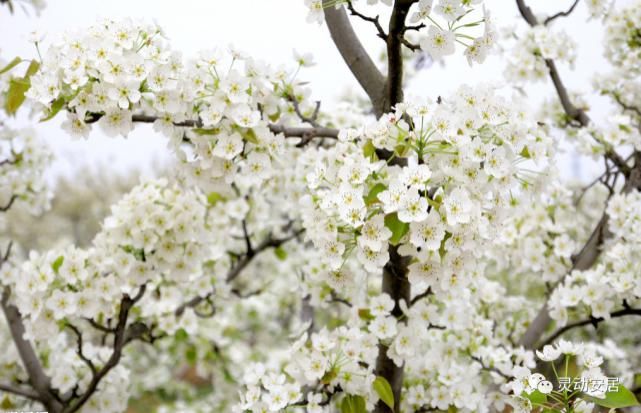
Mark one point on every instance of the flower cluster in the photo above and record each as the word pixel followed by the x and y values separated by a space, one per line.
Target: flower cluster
pixel 461 155
pixel 156 234
pixel 598 8
pixel 623 49
pixel 545 234
pixel 623 38
pixel 615 278
pixel 23 160
pixel 569 388
pixel 530 52
pixel 221 102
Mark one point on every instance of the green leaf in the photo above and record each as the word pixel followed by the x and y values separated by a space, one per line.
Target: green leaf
pixel 280 252
pixel 6 403
pixel 11 65
pixel 372 196
pixel 181 335
pixel 32 69
pixel 274 116
pixel 191 355
pixel 56 106
pixel 398 228
pixel 214 197
pixel 365 314
pixel 384 391
pixel 55 266
pixel 250 136
pixel 536 397
pixel 619 398
pixel 369 150
pixel 138 253
pixel 15 95
pixel 353 404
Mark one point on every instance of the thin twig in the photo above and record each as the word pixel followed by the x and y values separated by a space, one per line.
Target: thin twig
pixel 9 204
pixel 120 339
pixel 248 243
pixel 80 351
pixel 420 296
pixel 237 269
pixel 413 47
pixel 374 20
pixel 336 299
pixel 561 13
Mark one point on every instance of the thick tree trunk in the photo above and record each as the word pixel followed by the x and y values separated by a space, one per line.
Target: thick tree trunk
pixel 395 284
pixel 384 93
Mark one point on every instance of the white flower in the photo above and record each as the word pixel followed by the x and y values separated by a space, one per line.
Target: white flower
pixel 62 304
pixel 413 207
pixel 458 207
pixel 381 305
pixel 228 146
pixel 549 353
pixel 374 233
pixel 428 233
pixel 75 126
pixel 424 10
pixel 304 59
pixel 450 9
pixel 372 260
pixel 383 327
pixel 332 253
pixel 116 122
pixel 315 367
pixel 392 197
pixel 438 43
pixel 124 93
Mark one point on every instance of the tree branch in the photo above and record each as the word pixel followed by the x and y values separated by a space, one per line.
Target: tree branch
pixel 396 284
pixel 18 391
pixel 40 382
pixel 248 243
pixel 307 119
pixel 394 52
pixel 592 320
pixel 288 132
pixel 355 56
pixel 420 296
pixel 374 20
pixel 237 269
pixel 79 350
pixel 561 13
pixel 120 339
pixel 9 204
